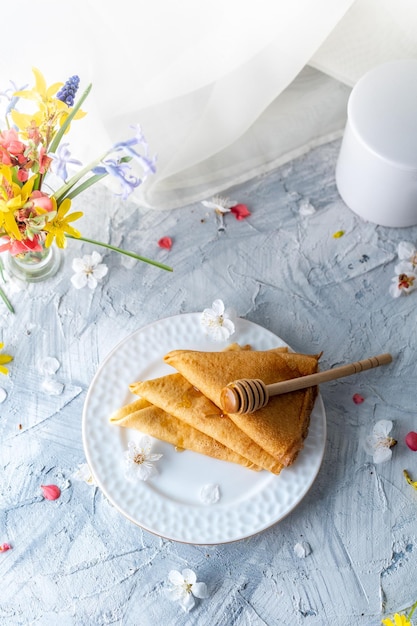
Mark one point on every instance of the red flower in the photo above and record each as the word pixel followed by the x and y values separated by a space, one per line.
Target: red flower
pixel 240 211
pixel 41 200
pixel 21 247
pixel 165 242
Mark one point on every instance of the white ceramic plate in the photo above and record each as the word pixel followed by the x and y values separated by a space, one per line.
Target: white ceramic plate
pixel 169 504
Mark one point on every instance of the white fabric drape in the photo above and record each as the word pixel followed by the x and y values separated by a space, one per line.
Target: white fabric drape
pixel 223 90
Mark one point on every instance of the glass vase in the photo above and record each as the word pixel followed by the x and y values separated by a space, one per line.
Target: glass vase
pixel 33 267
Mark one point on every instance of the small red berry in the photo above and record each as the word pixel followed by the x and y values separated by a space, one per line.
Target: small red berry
pixel 411 440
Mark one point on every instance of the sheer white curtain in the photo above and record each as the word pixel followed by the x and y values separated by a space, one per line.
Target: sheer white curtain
pixel 223 90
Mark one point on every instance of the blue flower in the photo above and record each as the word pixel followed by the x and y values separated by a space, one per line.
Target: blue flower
pixel 121 172
pixel 68 91
pixel 148 164
pixel 11 98
pixel 61 159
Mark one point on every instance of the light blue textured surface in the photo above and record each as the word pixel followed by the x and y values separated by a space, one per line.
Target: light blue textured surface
pixel 77 560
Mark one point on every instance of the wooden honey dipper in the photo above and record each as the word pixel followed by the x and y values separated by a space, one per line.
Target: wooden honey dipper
pixel 249 395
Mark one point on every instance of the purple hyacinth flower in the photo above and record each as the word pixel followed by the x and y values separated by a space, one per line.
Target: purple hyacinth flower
pixel 68 91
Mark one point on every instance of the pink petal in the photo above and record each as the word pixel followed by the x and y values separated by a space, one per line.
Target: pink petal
pixel 165 242
pixel 5 546
pixel 358 399
pixel 240 211
pixel 51 492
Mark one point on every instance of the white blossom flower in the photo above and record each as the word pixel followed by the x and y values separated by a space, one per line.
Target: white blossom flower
pixel 88 271
pixel 219 204
pixel 379 444
pixel 217 321
pixel 83 474
pixel 184 588
pixel 139 460
pixel 407 254
pixel 404 282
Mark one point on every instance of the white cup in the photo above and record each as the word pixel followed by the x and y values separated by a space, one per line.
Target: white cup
pixel 376 172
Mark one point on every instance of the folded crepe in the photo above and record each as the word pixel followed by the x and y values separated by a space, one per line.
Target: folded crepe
pixel 151 420
pixel 180 399
pixel 279 428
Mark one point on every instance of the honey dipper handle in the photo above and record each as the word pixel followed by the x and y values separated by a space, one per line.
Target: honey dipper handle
pixel 322 377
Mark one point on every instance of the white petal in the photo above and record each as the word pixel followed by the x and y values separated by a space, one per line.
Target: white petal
pixel 154 457
pixel 91 281
pixel 175 593
pixel 405 267
pixel 210 493
pixel 220 333
pixel 208 204
pixel 229 326
pixel 394 291
pixel 78 265
pixel 175 577
pixel 187 602
pixel 218 307
pixel 189 576
pixel 405 250
pixel 382 429
pixel 95 258
pixel 79 280
pixel 209 318
pixel 49 365
pixel 145 470
pixel 199 590
pixel 100 271
pixel 382 454
pixel 52 387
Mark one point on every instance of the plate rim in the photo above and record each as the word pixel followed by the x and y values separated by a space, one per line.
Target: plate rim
pixel 319 405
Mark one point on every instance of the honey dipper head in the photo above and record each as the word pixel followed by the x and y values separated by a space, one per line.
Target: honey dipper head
pixel 244 396
pixel 230 399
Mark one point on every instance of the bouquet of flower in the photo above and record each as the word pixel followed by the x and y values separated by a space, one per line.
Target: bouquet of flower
pixel 31 215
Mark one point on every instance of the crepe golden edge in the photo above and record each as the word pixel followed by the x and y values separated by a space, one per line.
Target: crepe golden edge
pixel 281 427
pixel 151 420
pixel 177 397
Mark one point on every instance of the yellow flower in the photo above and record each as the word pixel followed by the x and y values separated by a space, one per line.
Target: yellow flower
pixel 60 225
pixel 4 358
pixel 399 620
pixel 12 198
pixel 51 110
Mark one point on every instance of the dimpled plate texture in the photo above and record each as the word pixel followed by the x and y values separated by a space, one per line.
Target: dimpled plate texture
pixel 169 504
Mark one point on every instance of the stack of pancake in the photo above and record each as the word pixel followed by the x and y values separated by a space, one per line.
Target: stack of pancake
pixel 184 408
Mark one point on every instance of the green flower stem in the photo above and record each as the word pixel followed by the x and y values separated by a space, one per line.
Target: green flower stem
pixel 62 192
pixel 121 251
pixel 2 294
pixel 6 301
pixel 55 143
pixel 65 190
pixel 85 185
pixel 413 608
